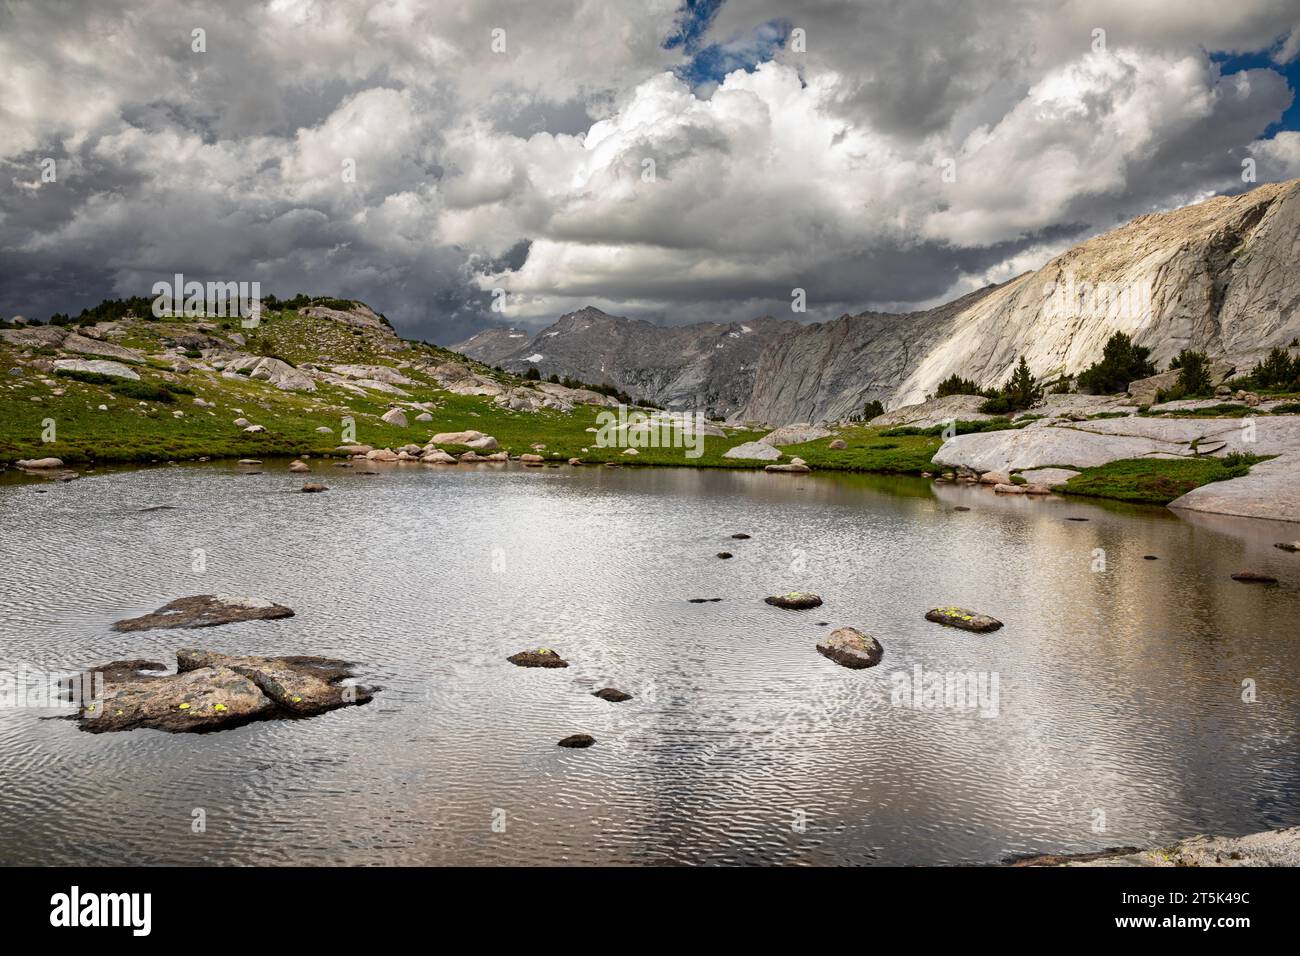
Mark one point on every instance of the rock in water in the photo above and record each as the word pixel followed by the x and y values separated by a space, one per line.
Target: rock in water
pixel 1292 546
pixel 962 618
pixel 795 600
pixel 298 466
pixel 541 657
pixel 578 741
pixel 1254 577
pixel 741 536
pixel 41 463
pixel 213 691
pixel 849 647
pixel 312 488
pixel 205 610
pixel 612 695
pixel 724 554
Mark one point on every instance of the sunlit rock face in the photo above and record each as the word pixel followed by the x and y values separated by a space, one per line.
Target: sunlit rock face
pixel 1220 277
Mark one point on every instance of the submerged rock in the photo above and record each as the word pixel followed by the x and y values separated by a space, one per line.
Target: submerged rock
pixel 541 657
pixel 578 741
pixel 795 600
pixel 962 618
pixel 205 610
pixel 740 536
pixel 724 554
pixel 703 600
pixel 1292 546
pixel 312 488
pixel 611 694
pixel 851 648
pixel 213 691
pixel 1254 577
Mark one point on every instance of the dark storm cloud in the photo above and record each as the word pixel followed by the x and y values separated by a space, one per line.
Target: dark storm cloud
pixel 524 168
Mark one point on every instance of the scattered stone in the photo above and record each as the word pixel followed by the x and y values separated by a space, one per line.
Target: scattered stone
pixel 486 443
pixel 312 488
pixel 797 467
pixel 424 417
pixel 724 554
pixel 381 454
pixel 630 451
pixel 962 618
pixel 741 536
pixel 438 457
pixel 703 600
pixel 1009 489
pixel 395 416
pixel 526 459
pixel 851 648
pixel 354 449
pixel 578 741
pixel 575 461
pixel 250 461
pixel 205 610
pixel 97 367
pixel 456 438
pixel 254 429
pixel 40 464
pixel 754 451
pixel 796 434
pixel 838 444
pixel 795 600
pixel 1254 577
pixel 960 508
pixel 541 657
pixel 995 478
pixel 298 466
pixel 612 695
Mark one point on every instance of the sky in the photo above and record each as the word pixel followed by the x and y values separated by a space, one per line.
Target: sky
pixel 462 165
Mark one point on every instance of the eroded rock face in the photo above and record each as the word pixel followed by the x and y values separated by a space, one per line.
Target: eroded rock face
pixel 963 618
pixel 1230 244
pixel 851 648
pixel 205 610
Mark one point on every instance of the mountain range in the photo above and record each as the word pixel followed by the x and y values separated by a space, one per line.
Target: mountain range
pixel 1220 276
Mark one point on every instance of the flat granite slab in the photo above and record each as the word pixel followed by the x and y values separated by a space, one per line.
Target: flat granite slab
pixel 1271 490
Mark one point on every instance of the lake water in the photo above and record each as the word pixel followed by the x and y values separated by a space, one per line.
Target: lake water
pixel 1119 704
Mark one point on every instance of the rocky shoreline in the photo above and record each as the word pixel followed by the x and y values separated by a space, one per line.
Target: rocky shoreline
pixel 1267 848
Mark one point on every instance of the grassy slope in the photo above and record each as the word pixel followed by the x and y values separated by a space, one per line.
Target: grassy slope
pixel 1154 481
pixel 135 431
